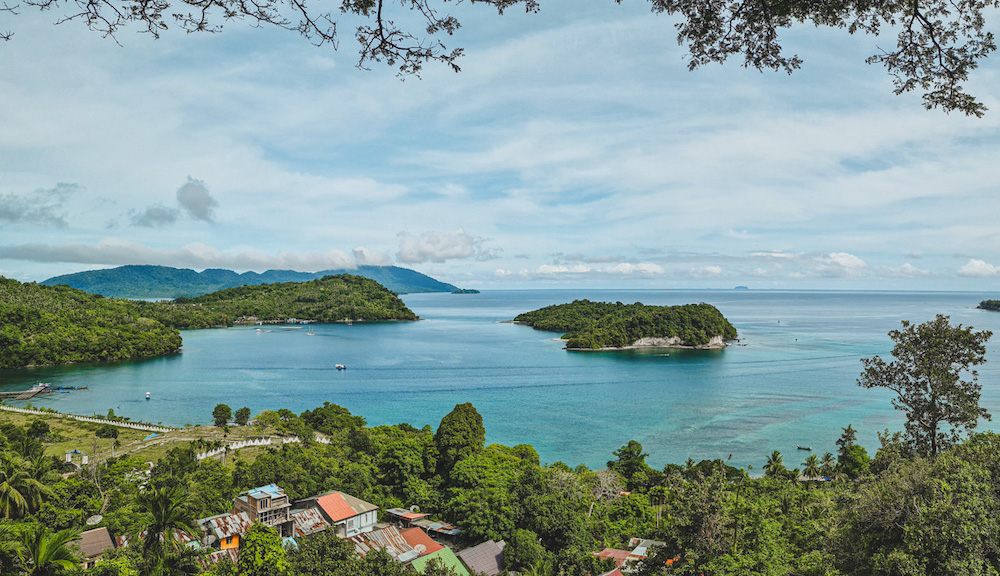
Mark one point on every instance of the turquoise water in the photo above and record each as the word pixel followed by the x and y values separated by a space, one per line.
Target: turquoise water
pixel 793 383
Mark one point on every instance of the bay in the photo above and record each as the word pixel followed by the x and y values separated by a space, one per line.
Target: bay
pixel 793 383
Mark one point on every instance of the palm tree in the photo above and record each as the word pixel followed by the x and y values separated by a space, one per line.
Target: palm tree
pixel 775 466
pixel 827 464
pixel 47 553
pixel 811 466
pixel 166 513
pixel 10 546
pixel 20 491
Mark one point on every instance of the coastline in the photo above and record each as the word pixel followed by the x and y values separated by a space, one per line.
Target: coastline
pixel 653 343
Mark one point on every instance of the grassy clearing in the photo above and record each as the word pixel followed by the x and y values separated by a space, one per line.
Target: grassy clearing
pixel 69 434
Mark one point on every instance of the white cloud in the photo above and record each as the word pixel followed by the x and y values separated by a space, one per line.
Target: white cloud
pixel 839 265
pixel 626 268
pixel 502 273
pixel 707 271
pixel 117 252
pixel 907 270
pixel 549 269
pixel 437 247
pixel 979 269
pixel 366 257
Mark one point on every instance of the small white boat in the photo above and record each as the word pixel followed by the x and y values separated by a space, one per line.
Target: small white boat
pixel 340 367
pixel 147 395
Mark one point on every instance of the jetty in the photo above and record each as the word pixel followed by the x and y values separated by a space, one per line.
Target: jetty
pixel 40 388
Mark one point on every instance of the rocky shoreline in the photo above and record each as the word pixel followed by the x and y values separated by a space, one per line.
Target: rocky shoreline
pixel 716 343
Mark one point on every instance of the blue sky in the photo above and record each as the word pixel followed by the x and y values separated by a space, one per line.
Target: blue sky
pixel 574 149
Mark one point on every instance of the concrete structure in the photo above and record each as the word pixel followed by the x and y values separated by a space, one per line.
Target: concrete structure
pixel 268 505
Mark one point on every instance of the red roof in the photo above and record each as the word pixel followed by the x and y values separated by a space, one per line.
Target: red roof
pixel 417 537
pixel 619 556
pixel 339 506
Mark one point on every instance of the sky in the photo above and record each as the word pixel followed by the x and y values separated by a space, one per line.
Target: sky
pixel 574 149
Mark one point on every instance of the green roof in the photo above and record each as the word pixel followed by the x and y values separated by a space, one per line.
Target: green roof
pixel 445 556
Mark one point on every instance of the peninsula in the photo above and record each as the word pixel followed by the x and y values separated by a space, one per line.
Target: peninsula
pixel 45 325
pixel 615 326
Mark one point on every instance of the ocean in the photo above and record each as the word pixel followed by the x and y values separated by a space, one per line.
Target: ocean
pixel 792 380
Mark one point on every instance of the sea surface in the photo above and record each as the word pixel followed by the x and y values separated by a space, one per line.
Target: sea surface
pixel 792 380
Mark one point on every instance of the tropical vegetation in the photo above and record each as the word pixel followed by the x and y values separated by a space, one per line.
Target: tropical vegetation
pixel 615 325
pixel 337 298
pixel 908 510
pixel 42 325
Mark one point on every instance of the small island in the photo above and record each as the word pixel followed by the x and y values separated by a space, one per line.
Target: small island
pixel 615 326
pixel 46 325
pixel 992 305
pixel 465 291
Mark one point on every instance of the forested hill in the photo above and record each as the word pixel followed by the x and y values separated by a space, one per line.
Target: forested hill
pixel 166 282
pixel 334 298
pixel 593 325
pixel 42 325
pixel 993 305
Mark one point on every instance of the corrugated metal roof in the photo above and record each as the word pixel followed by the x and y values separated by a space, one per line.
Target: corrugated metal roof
pixel 226 525
pixel 388 539
pixel 420 541
pixel 439 527
pixel 485 558
pixel 405 514
pixel 340 506
pixel 308 521
pixel 619 556
pixel 94 542
pixel 231 553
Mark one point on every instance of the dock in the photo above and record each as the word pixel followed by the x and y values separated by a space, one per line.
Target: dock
pixel 26 394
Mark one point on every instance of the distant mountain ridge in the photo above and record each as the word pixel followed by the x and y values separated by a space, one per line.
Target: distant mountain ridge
pixel 144 281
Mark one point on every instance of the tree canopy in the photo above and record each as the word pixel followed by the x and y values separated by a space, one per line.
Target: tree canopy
pixel 926 376
pixel 938 42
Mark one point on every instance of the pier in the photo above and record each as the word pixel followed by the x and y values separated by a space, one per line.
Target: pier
pixel 26 394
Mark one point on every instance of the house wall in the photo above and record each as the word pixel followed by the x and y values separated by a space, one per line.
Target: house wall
pixel 358 524
pixel 231 542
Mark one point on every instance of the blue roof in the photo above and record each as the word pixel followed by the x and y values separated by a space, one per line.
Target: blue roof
pixel 271 490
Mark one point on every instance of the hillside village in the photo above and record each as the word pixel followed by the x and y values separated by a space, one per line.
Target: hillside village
pixel 408 536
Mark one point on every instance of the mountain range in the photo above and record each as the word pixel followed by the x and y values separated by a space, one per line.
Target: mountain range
pixel 141 281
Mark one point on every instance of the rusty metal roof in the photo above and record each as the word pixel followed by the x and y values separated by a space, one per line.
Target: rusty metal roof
pixel 308 521
pixel 226 525
pixel 388 539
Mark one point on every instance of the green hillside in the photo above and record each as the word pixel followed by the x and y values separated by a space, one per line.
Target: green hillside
pixel 167 282
pixel 42 325
pixel 333 298
pixel 594 325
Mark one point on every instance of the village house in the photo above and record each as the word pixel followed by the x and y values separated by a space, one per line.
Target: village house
pixel 223 531
pixel 92 544
pixel 485 558
pixel 268 505
pixel 349 516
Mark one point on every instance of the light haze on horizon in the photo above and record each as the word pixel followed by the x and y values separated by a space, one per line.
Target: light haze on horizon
pixel 573 150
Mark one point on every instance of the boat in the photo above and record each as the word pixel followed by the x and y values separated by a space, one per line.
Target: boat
pixel 147 395
pixel 340 367
pixel 804 448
